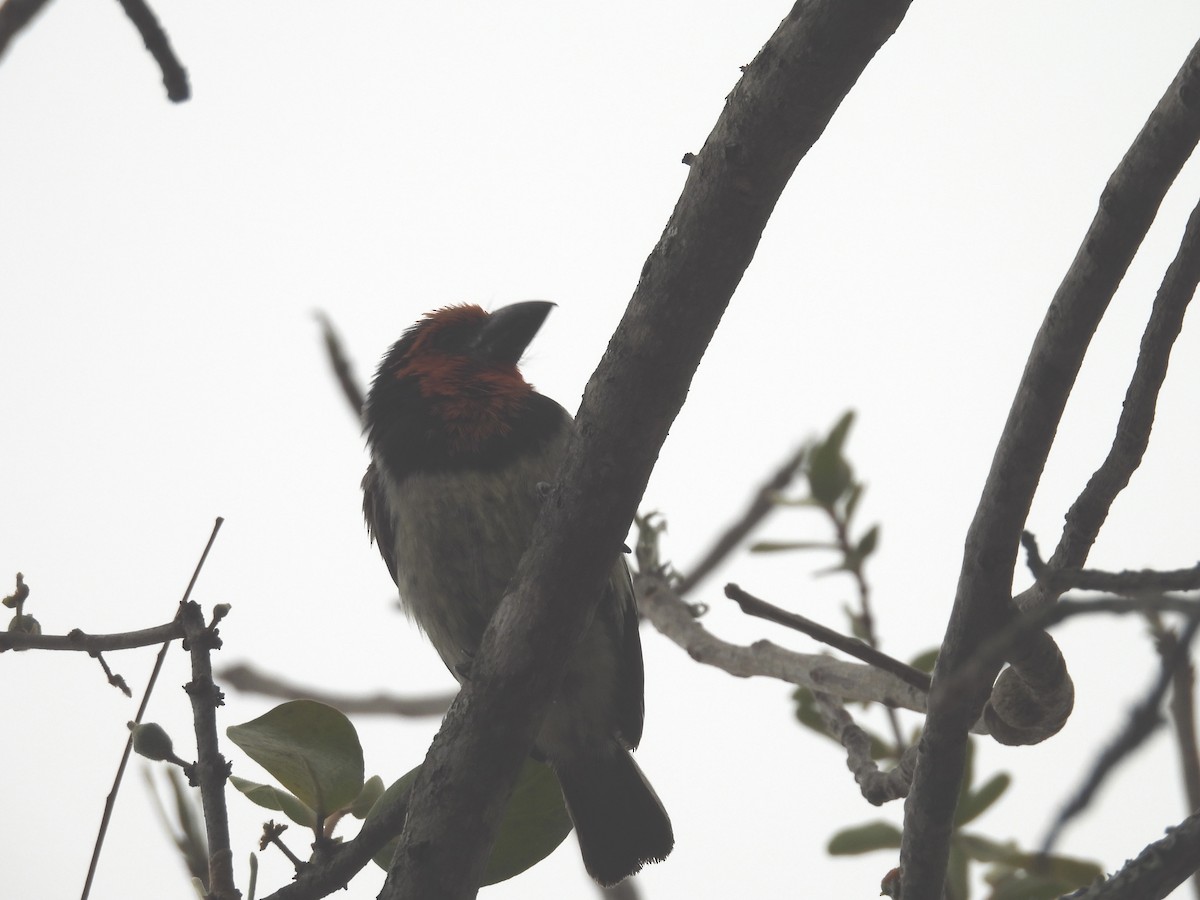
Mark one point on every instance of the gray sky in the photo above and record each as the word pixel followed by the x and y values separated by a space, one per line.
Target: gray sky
pixel 162 367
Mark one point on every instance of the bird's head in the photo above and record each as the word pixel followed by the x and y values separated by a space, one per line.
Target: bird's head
pixel 450 385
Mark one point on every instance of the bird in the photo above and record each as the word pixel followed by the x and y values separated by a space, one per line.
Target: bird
pixel 462 450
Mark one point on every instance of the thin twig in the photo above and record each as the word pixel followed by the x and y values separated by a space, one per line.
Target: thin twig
pixel 1156 871
pixel 174 74
pixel 877 787
pixel 342 370
pixel 111 800
pixel 211 769
pixel 753 606
pixel 114 679
pixel 760 507
pixel 93 643
pixel 674 619
pixel 1132 436
pixel 983 602
pixel 1183 717
pixel 250 680
pixel 1143 720
pixel 1057 580
pixel 866 618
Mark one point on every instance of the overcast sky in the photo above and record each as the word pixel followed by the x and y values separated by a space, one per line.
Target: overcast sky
pixel 161 366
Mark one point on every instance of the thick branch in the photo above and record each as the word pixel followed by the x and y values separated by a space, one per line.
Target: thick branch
pixel 982 602
pixel 774 115
pixel 15 15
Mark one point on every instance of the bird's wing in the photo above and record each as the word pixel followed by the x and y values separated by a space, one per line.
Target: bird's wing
pixel 379 521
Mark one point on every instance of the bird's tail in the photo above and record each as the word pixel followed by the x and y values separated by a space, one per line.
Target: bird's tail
pixel 619 820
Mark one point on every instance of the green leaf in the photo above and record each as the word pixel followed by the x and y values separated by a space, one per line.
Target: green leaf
pixel 829 475
pixel 253 877
pixel 1071 871
pixel 1066 871
pixel 956 873
pixel 868 543
pixel 837 436
pixel 975 803
pixel 864 839
pixel 534 823
pixel 1045 878
pixel 807 715
pixel 925 661
pixel 806 711
pixel 371 792
pixel 852 498
pixel 986 850
pixel 270 797
pixel 311 748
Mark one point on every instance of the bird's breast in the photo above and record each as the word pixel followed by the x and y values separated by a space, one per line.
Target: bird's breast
pixel 458 537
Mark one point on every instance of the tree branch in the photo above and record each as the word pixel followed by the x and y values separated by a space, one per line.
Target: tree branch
pixel 848 681
pixel 773 116
pixel 763 504
pixel 753 606
pixel 1087 514
pixel 111 801
pixel 1143 720
pixel 211 769
pixel 174 74
pixel 1156 871
pixel 250 680
pixel 15 15
pixel 92 643
pixel 339 361
pixel 982 603
pixel 877 787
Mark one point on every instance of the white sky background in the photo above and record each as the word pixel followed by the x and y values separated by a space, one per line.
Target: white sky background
pixel 161 366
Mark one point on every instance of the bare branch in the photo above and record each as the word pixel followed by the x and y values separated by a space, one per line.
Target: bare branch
pixel 250 680
pixel 849 681
pixel 1183 715
pixel 877 787
pixel 983 603
pixel 15 15
pixel 1143 720
pixel 760 507
pixel 174 75
pixel 772 117
pixel 92 643
pixel 1057 580
pixel 111 800
pixel 211 769
pixel 1156 871
pixel 340 362
pixel 1088 512
pixel 753 606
